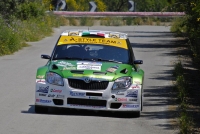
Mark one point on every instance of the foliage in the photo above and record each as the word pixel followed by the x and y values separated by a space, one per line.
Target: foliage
pixel 85 21
pixel 181 85
pixel 129 21
pixel 28 10
pixel 178 26
pixel 72 21
pixel 8 7
pixel 25 22
pixel 144 5
pixel 115 5
pixel 9 41
pixel 190 24
pixel 83 5
pixel 113 21
pixel 138 21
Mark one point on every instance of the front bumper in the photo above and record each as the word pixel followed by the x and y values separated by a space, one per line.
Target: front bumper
pixel 107 100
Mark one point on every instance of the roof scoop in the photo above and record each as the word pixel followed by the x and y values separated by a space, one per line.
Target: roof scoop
pixel 124 71
pixel 54 67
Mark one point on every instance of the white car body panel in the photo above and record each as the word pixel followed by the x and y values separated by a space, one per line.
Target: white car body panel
pixel 130 98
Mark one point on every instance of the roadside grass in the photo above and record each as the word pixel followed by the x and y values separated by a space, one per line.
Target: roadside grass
pixel 86 21
pixel 181 87
pixel 14 35
pixel 178 26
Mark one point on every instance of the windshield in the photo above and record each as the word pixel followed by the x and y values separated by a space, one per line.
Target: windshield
pixel 91 52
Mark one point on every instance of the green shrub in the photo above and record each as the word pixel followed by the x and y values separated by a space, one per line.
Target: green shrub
pixel 9 41
pixel 72 21
pixel 185 123
pixel 138 21
pixel 182 88
pixel 106 21
pixel 29 9
pixel 158 23
pixel 148 21
pixel 129 21
pixel 178 26
pixel 116 21
pixel 178 69
pixel 112 21
pixel 85 21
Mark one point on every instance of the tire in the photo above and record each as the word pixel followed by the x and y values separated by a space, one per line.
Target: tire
pixel 137 114
pixel 40 109
pixel 133 114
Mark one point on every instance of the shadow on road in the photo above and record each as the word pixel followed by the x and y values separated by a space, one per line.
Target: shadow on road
pixel 159 96
pixel 80 112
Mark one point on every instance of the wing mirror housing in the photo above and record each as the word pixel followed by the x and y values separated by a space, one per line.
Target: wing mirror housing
pixel 138 61
pixel 43 56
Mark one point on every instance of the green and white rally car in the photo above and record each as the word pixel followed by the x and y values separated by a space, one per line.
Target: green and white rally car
pixel 91 69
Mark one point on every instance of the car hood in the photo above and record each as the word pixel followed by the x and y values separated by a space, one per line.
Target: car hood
pixel 103 70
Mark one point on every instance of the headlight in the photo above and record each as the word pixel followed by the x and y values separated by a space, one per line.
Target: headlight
pixel 122 83
pixel 54 79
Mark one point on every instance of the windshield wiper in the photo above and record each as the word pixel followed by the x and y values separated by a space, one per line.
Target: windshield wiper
pixel 77 58
pixel 72 58
pixel 106 60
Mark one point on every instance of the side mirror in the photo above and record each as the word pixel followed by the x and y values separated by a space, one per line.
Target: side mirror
pixel 43 56
pixel 138 62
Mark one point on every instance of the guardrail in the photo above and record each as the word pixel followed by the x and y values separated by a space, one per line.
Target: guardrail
pixel 127 14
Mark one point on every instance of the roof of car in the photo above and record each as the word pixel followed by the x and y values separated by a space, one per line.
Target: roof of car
pixel 105 34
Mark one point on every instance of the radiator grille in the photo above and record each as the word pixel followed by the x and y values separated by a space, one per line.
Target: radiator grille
pixel 87 102
pixel 93 85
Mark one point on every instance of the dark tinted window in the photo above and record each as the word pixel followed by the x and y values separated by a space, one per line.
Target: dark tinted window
pixel 92 51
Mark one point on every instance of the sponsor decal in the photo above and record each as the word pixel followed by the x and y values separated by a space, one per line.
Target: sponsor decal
pixel 41 81
pixel 93 40
pixel 135 86
pixel 60 96
pixel 56 91
pixel 43 89
pixel 89 63
pixel 137 82
pixel 40 76
pixel 42 94
pixel 73 33
pixel 95 76
pixel 120 99
pixel 132 99
pixel 112 69
pixel 51 95
pixel 43 101
pixel 103 41
pixel 77 93
pixel 132 94
pixel 130 106
pixel 81 65
pixel 120 93
pixel 86 106
pixel 88 67
pixel 69 68
pixel 93 97
pixel 114 35
pixel 65 64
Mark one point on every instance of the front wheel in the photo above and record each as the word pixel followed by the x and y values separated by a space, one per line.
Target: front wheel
pixel 137 114
pixel 133 114
pixel 41 109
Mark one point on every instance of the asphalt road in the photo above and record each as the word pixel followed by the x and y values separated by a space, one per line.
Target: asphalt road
pixel 152 44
